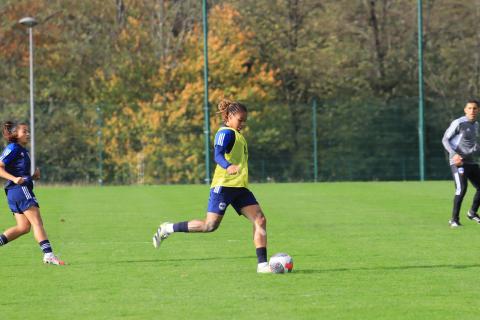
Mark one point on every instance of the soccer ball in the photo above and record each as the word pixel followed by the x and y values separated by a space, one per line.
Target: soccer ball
pixel 281 263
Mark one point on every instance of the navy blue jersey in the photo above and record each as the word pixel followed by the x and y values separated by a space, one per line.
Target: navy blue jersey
pixel 224 141
pixel 17 163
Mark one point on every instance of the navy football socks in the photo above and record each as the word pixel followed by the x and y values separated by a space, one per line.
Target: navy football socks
pixel 45 246
pixel 3 240
pixel 262 254
pixel 180 227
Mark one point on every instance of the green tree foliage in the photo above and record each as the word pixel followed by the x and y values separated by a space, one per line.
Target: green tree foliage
pixel 292 38
pixel 62 59
pixel 160 138
pixel 141 62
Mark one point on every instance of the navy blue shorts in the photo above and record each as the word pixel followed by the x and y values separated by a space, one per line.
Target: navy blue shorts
pixel 21 198
pixel 222 197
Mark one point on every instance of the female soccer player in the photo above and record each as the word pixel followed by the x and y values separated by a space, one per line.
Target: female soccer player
pixel 229 186
pixel 15 167
pixel 460 140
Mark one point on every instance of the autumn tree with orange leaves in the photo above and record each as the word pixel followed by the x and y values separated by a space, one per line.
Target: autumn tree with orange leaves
pixel 161 139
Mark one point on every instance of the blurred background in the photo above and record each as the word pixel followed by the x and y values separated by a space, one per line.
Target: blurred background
pixel 331 86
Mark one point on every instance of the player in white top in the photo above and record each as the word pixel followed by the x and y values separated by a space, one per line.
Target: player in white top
pixel 461 142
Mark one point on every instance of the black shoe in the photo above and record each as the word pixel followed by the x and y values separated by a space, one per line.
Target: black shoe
pixel 473 216
pixel 454 224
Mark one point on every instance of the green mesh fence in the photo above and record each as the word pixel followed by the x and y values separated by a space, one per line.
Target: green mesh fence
pixel 357 140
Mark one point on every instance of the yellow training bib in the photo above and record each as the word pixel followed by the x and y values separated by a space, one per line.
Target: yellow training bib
pixel 238 156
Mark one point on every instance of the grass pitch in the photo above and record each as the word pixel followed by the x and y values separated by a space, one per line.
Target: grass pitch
pixel 361 251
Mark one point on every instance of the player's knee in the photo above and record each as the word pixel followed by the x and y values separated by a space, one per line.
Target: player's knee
pixel 261 221
pixel 23 229
pixel 211 226
pixel 38 224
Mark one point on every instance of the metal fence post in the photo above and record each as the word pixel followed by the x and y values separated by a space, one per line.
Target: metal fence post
pixel 314 135
pixel 100 145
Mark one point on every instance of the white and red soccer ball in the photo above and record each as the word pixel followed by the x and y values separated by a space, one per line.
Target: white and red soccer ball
pixel 281 263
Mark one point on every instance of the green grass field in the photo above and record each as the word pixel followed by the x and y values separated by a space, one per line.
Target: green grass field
pixel 361 251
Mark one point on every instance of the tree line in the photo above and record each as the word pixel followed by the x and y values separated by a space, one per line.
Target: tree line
pixel 119 84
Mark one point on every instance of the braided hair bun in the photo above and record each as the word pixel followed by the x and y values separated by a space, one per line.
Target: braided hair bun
pixel 223 105
pixel 9 131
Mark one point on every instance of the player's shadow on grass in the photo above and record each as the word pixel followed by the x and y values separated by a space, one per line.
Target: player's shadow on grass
pixel 387 268
pixel 183 259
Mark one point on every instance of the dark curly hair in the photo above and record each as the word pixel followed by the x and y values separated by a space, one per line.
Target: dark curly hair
pixel 10 130
pixel 227 107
